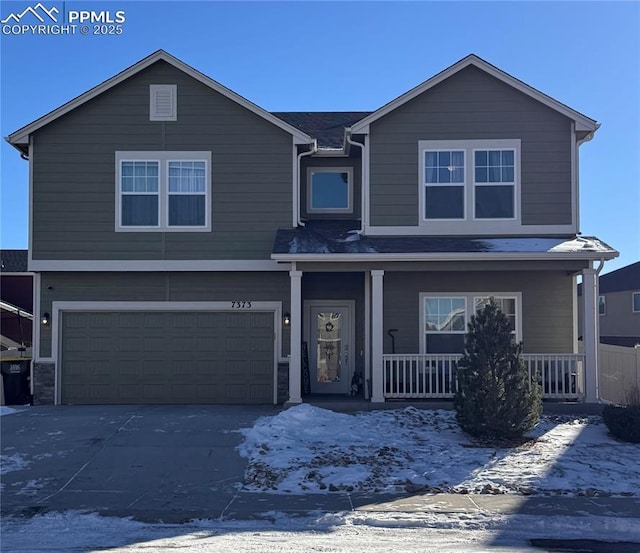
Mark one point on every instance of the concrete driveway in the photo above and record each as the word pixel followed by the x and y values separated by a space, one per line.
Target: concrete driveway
pixel 155 463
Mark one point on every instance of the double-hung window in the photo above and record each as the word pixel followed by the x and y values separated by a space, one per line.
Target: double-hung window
pixel 444 179
pixel 469 180
pixel 494 184
pixel 163 191
pixel 445 318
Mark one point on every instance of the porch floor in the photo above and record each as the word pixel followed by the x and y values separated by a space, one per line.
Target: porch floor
pixel 347 404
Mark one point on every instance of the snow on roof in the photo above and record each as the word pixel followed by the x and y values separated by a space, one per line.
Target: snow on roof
pixel 335 237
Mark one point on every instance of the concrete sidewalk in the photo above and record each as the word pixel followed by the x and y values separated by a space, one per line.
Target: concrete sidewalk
pixel 177 463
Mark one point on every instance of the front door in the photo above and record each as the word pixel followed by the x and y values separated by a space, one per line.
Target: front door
pixel 330 337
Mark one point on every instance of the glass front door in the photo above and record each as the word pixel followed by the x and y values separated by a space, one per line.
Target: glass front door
pixel 329 340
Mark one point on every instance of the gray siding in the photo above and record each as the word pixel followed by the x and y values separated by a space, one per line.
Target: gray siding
pixel 619 318
pixel 471 105
pixel 74 174
pixel 158 287
pixel 547 305
pixel 355 163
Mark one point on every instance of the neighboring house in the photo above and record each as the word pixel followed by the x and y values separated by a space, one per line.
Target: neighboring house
pixel 16 304
pixel 619 306
pixel 16 327
pixel 192 247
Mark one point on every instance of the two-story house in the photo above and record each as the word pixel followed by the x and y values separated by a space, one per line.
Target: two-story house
pixel 618 306
pixel 192 247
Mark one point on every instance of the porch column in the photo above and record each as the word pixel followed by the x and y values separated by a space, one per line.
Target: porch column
pixel 295 370
pixel 377 337
pixel 590 334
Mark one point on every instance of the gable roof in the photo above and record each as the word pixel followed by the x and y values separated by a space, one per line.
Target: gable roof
pixel 327 127
pixel 625 278
pixel 583 123
pixel 20 138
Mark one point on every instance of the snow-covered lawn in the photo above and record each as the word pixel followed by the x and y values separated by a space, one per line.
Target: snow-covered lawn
pixel 330 533
pixel 308 449
pixel 4 410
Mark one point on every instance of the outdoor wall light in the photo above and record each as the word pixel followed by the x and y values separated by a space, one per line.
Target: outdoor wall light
pixel 46 318
pixel 286 319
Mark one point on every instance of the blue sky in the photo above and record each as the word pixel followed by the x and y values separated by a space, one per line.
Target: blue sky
pixel 290 56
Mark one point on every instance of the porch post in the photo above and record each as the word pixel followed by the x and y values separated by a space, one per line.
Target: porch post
pixel 377 337
pixel 295 370
pixel 590 334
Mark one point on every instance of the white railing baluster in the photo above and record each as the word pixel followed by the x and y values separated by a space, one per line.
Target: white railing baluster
pixel 424 376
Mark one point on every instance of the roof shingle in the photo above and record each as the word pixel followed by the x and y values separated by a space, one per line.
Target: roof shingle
pixel 326 126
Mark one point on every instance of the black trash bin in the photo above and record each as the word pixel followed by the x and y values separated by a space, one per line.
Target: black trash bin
pixel 15 377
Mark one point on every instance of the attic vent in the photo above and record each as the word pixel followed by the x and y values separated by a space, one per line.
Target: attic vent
pixel 163 102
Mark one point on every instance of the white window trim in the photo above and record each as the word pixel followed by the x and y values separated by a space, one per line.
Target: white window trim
pixel 348 171
pixel 462 184
pixel 633 295
pixel 154 89
pixel 470 224
pixel 163 158
pixel 515 184
pixel 469 298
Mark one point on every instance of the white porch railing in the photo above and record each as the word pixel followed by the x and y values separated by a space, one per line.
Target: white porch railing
pixel 426 376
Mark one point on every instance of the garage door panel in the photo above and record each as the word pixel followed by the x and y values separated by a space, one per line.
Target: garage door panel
pixel 205 344
pixel 183 344
pixel 167 357
pixel 260 369
pixel 205 320
pixel 261 320
pixel 236 344
pixel 238 320
pixel 262 345
pixel 258 390
pixel 79 344
pixel 126 393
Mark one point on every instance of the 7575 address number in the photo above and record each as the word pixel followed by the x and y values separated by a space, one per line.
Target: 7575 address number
pixel 241 305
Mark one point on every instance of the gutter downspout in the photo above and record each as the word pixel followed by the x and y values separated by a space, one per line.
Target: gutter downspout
pixel 296 196
pixel 362 177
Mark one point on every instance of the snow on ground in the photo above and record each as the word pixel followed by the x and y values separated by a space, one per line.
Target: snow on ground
pixel 9 463
pixel 337 532
pixel 308 449
pixel 4 410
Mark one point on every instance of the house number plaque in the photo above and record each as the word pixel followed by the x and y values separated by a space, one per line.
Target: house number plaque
pixel 240 305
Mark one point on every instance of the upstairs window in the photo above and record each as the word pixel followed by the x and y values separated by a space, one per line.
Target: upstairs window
pixel 494 180
pixel 329 190
pixel 469 180
pixel 163 191
pixel 187 193
pixel 140 189
pixel 444 184
pixel 602 305
pixel 635 302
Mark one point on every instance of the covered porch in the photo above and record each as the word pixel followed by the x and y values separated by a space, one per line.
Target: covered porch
pixel 537 289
